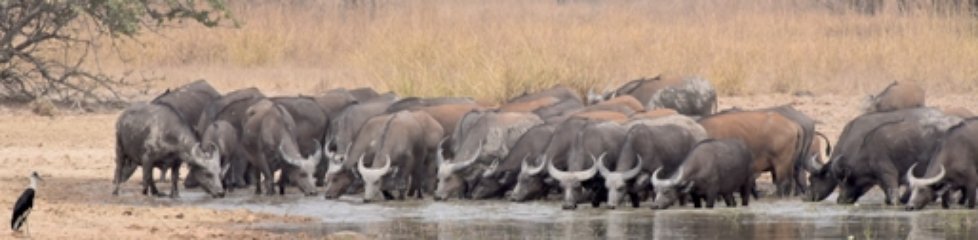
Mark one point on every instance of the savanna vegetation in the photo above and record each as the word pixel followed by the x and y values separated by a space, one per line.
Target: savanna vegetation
pixel 495 49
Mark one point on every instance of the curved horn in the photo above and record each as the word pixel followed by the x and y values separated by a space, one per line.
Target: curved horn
pixel 370 174
pixel 291 160
pixel 318 155
pixel 813 164
pixel 329 154
pixel 924 181
pixel 462 165
pixel 439 154
pixel 534 170
pixel 557 174
pixel 334 167
pixel 631 173
pixel 601 167
pixel 590 172
pixel 656 182
pixel 492 168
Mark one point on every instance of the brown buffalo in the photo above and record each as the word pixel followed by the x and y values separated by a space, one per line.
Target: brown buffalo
pixel 896 96
pixel 772 139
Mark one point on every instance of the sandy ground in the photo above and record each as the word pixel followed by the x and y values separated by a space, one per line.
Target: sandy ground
pixel 74 153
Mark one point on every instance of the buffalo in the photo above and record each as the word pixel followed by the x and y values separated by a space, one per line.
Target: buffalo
pixel 579 182
pixel 714 168
pixel 151 135
pixel 646 148
pixel 896 96
pixel 954 167
pixel 398 165
pixel 877 149
pixel 230 108
pixel 773 140
pixel 345 127
pixel 342 176
pixel 188 101
pixel 501 175
pixel 271 140
pixel 534 181
pixel 481 136
pixel 688 95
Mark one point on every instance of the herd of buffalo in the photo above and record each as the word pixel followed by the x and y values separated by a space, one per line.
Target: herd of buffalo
pixel 660 140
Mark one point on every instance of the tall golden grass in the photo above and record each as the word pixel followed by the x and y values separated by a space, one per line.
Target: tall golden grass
pixel 495 49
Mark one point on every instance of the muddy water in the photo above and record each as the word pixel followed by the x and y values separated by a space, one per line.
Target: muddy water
pixel 765 219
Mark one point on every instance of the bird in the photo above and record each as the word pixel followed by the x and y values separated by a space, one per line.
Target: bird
pixel 24 205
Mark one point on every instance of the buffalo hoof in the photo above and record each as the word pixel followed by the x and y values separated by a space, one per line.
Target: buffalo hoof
pixel 218 195
pixel 612 207
pixel 330 197
pixel 569 207
pixel 311 194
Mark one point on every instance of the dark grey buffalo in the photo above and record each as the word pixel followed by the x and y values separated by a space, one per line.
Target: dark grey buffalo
pixel 954 167
pixel 594 142
pixel 714 168
pixel 646 148
pixel 230 108
pixel 345 127
pixel 271 140
pixel 896 96
pixel 342 176
pixel 154 136
pixel 188 101
pixel 311 122
pixel 689 95
pixel 481 137
pixel 398 166
pixel 501 176
pixel 534 181
pixel 877 149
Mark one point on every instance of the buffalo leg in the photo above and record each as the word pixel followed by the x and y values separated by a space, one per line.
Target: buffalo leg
pixel 962 200
pixel 696 200
pixel 890 189
pixel 783 179
pixel 729 200
pixel 162 174
pixel 174 179
pixel 745 194
pixel 946 199
pixel 636 199
pixel 711 199
pixel 283 181
pixel 149 185
pixel 123 173
pixel 969 193
pixel 253 172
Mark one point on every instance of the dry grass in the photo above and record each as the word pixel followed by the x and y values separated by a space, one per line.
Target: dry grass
pixel 494 49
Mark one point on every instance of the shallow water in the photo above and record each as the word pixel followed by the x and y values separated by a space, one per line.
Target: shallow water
pixel 764 219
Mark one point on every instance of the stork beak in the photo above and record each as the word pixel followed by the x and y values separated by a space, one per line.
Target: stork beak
pixel 37 176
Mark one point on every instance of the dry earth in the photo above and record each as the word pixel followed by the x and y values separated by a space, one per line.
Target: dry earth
pixel 74 153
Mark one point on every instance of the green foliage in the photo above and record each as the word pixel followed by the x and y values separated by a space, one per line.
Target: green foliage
pixel 31 29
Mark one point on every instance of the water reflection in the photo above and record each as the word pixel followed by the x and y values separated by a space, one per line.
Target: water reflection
pixel 787 219
pixel 765 219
